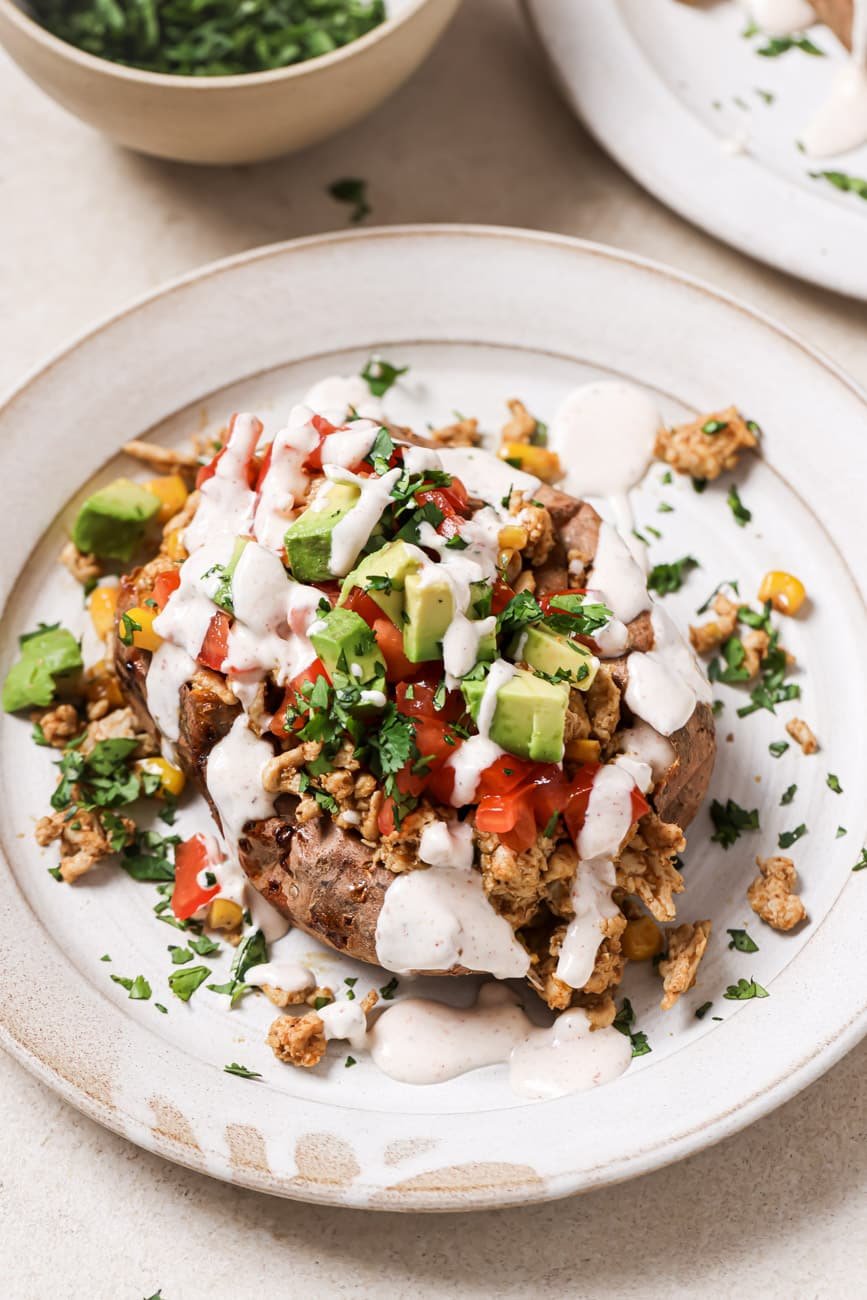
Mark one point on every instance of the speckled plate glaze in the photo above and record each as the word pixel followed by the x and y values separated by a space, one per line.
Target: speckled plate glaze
pixel 480 315
pixel 667 88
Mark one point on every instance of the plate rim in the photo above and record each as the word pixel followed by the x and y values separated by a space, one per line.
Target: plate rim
pixel 822 1053
pixel 666 183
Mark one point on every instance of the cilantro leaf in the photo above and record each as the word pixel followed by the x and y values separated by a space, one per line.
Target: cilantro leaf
pixel 744 991
pixel 742 941
pixel 730 821
pixel 788 794
pixel 667 578
pixel 833 783
pixel 186 980
pixel 788 838
pixel 742 515
pixel 241 1071
pixel 352 190
pixel 381 375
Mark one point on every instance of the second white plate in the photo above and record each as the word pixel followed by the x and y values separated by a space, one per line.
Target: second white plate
pixel 685 104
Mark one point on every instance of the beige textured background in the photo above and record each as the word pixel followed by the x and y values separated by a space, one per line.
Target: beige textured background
pixel 479 135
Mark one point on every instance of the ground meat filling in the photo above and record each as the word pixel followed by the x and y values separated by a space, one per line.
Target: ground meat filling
pixel 772 894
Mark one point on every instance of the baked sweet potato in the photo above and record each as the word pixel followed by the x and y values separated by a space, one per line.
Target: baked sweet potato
pixel 326 879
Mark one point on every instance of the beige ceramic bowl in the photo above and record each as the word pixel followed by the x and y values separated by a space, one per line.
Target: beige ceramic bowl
pixel 228 119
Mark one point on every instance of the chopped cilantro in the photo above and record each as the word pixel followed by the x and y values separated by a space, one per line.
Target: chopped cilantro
pixel 349 1062
pixel 551 826
pixel 742 941
pixel 861 864
pixel 202 945
pixel 388 990
pixel 778 747
pixel 159 1007
pixel 128 628
pixel 730 821
pixel 699 484
pixel 833 783
pixel 180 956
pixel 841 831
pixel 741 514
pixel 381 375
pixel 184 982
pixel 701 1012
pixel 776 45
pixel 352 190
pixel 105 957
pixel 788 794
pixel 788 838
pixel 139 990
pixel 666 578
pixel 241 1071
pixel 624 1022
pixel 744 990
pixel 843 181
pixel 713 427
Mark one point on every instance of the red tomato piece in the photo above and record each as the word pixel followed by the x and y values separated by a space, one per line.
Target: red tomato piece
pixel 417 699
pixel 440 784
pixel 579 797
pixel 390 642
pixel 505 775
pixel 549 794
pixel 264 466
pixel 640 806
pixel 502 594
pixel 511 817
pixel 215 646
pixel 191 858
pixel 365 606
pixel 323 427
pixel 252 470
pixel 385 817
pixel 165 584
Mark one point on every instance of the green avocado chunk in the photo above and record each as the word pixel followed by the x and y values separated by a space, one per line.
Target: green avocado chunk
pixel 429 609
pixel 551 653
pixel 308 538
pixel 46 654
pixel 347 646
pixel 530 715
pixel 387 569
pixel 112 522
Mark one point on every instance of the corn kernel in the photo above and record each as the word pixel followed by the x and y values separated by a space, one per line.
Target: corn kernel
pixel 137 628
pixel 224 914
pixel 172 492
pixel 540 461
pixel 785 592
pixel 174 546
pixel 641 940
pixel 583 751
pixel 172 779
pixel 512 538
pixel 102 604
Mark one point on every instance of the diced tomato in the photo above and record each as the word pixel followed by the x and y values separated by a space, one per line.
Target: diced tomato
pixel 640 806
pixel 505 775
pixel 550 794
pixel 418 699
pixel 209 470
pixel 440 784
pixel 451 506
pixel 323 427
pixel 365 606
pixel 385 817
pixel 330 590
pixel 579 797
pixel 502 594
pixel 311 673
pixel 511 817
pixel 215 646
pixel 165 584
pixel 191 858
pixel 390 642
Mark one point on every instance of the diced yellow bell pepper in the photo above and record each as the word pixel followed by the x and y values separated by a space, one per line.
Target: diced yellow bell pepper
pixel 102 604
pixel 583 751
pixel 137 628
pixel 172 779
pixel 540 461
pixel 172 492
pixel 101 684
pixel 785 592
pixel 641 940
pixel 224 914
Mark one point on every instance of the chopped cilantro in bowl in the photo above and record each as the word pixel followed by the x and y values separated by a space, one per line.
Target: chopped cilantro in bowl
pixel 209 38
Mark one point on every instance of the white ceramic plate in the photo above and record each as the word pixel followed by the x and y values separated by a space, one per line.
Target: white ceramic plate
pixel 480 315
pixel 669 88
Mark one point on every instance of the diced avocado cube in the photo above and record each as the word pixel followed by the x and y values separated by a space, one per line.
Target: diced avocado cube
pixel 308 538
pixel 112 522
pixel 347 646
pixel 530 715
pixel 552 653
pixel 46 654
pixel 382 576
pixel 428 611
